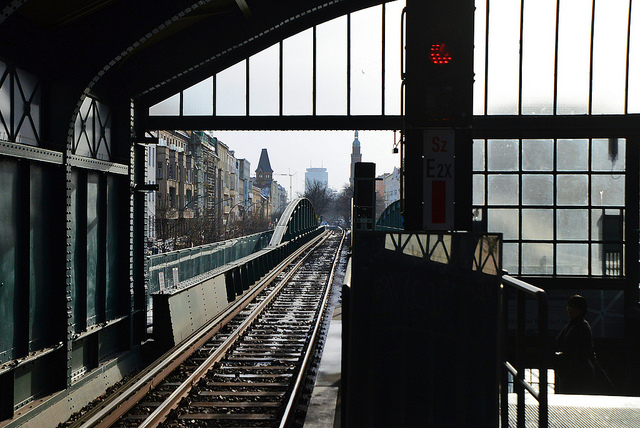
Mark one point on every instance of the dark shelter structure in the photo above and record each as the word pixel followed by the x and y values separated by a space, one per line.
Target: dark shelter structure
pixel 518 120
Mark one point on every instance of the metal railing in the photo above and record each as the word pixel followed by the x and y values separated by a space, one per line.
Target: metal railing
pixel 517 370
pixel 191 262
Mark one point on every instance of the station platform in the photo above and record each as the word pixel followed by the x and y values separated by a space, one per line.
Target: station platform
pixel 324 407
pixel 565 411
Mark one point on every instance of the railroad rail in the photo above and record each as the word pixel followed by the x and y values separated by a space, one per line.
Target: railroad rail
pixel 245 368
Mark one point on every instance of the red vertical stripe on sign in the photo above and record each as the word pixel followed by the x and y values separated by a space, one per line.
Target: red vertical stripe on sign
pixel 438 201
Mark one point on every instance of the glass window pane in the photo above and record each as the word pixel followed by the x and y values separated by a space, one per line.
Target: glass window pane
pixel 76 278
pixel 596 259
pixel 572 224
pixel 392 78
pixel 92 248
pixel 634 63
pixel 537 189
pixel 610 56
pixel 479 53
pixel 537 259
pixel 298 74
pixel 510 256
pixel 366 61
pixel 573 190
pixel 573 155
pixel 537 224
pixel 596 224
pixel 502 155
pixel 111 255
pixel 198 99
pixel 574 40
pixel 331 74
pixel 478 155
pixel 538 54
pixel 503 189
pixel 103 131
pixel 504 53
pixel 26 85
pixel 607 190
pixel 264 78
pixel 537 155
pixel 478 189
pixel 607 262
pixel 608 154
pixel 83 137
pixel 231 91
pixel 23 82
pixel 504 221
pixel 572 259
pixel 168 107
pixel 5 102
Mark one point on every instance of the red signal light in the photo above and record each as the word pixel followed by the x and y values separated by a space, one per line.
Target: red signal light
pixel 440 54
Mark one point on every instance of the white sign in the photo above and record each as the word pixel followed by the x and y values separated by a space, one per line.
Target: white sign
pixel 176 278
pixel 438 179
pixel 161 280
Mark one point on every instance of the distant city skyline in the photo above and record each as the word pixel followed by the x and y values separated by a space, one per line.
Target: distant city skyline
pixel 320 175
pixel 292 152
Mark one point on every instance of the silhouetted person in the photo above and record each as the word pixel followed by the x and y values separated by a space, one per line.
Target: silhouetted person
pixel 575 370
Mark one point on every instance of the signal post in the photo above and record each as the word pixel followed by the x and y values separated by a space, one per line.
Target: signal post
pixel 438 114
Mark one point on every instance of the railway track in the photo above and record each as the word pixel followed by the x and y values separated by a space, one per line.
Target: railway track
pixel 246 369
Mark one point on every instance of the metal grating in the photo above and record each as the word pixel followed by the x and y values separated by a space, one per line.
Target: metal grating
pixel 582 411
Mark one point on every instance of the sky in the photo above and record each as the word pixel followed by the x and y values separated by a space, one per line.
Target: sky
pixel 292 152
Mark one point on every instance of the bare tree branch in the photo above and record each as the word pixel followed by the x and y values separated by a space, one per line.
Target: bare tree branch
pixel 319 195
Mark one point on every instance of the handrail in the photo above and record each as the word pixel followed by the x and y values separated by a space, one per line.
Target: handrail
pixel 523 290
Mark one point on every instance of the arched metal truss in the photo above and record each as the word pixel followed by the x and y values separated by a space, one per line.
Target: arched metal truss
pixel 391 217
pixel 298 218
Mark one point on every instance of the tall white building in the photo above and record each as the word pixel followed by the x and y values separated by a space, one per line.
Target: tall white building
pixel 316 174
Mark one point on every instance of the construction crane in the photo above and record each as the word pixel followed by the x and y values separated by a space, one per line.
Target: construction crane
pixel 290 182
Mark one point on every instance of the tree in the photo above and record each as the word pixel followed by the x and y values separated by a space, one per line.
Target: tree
pixel 174 231
pixel 319 195
pixel 343 204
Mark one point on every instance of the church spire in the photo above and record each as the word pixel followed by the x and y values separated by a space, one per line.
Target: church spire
pixel 264 173
pixel 355 156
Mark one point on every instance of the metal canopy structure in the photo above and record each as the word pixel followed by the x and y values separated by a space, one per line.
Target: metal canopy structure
pixel 150 50
pixel 77 81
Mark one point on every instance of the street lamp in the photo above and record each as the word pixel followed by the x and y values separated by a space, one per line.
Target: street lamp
pixel 229 217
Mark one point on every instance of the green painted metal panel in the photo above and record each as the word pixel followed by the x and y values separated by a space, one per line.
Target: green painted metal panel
pixel 42 292
pixel 198 260
pixel 77 312
pixel 391 218
pixel 80 358
pixel 8 241
pixel 110 340
pixel 112 309
pixel 92 248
